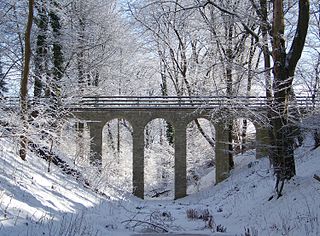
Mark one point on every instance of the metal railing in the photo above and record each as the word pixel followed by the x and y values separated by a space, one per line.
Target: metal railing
pixel 162 102
pixel 183 102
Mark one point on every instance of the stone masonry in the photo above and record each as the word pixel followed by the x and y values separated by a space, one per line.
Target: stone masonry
pixel 179 118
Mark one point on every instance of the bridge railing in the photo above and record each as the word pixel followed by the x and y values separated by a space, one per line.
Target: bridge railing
pixel 166 102
pixel 184 102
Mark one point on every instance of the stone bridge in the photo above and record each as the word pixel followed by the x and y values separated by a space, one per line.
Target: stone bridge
pixel 179 112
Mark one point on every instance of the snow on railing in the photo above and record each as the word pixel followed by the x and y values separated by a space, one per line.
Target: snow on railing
pixel 166 101
pixel 163 102
pixel 183 102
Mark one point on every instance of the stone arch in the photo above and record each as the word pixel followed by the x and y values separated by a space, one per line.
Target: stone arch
pixel 159 149
pixel 117 152
pixel 200 154
pixel 244 135
pixel 257 118
pixel 260 124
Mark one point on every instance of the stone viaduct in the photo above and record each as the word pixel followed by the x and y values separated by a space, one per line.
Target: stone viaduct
pixel 96 112
pixel 179 111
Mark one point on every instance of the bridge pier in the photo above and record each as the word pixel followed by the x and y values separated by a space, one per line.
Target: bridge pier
pixel 180 157
pixel 222 152
pixel 95 129
pixel 138 160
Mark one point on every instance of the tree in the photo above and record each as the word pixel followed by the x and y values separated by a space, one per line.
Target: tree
pixel 24 82
pixel 58 60
pixel 95 40
pixel 231 42
pixel 180 48
pixel 41 60
pixel 284 69
pixel 280 92
pixel 12 25
pixel 308 70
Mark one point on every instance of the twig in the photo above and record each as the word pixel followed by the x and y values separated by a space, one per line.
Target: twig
pixel 316 177
pixel 164 230
pixel 157 194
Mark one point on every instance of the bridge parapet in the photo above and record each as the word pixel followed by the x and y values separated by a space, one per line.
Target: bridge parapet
pixel 184 102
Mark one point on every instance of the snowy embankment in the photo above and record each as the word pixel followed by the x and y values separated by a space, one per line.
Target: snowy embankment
pixel 35 202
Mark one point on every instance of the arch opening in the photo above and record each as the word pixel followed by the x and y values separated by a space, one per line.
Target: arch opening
pixel 159 160
pixel 200 155
pixel 117 154
pixel 243 140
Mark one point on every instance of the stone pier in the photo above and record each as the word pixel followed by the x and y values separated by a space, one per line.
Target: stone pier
pixel 180 160
pixel 138 161
pixel 95 129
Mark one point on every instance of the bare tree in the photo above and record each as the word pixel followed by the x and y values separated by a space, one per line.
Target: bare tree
pixel 12 26
pixel 24 82
pixel 180 46
pixel 283 71
pixel 280 92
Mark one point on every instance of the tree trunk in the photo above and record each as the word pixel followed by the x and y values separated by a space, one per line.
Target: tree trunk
pixel 24 83
pixel 229 91
pixel 57 59
pixel 41 50
pixel 80 53
pixel 284 68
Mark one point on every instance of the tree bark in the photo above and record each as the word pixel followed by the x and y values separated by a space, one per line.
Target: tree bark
pixel 284 67
pixel 55 88
pixel 57 54
pixel 24 83
pixel 41 50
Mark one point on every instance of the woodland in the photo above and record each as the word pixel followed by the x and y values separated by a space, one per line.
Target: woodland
pixel 54 52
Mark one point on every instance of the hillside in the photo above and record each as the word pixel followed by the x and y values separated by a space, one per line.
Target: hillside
pixel 35 202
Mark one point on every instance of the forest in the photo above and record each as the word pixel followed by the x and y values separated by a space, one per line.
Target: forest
pixel 55 53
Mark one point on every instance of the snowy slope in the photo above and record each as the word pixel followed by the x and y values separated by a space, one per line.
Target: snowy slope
pixel 35 202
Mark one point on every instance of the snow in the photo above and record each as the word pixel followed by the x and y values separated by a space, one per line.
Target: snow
pixel 36 202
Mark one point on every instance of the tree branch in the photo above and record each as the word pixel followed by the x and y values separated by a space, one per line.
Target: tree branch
pixel 245 26
pixel 296 49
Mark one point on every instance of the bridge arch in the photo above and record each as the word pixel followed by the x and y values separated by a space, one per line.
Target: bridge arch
pixel 200 154
pixel 117 156
pixel 159 158
pixel 243 135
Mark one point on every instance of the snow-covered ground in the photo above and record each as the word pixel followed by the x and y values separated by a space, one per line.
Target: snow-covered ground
pixel 35 202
